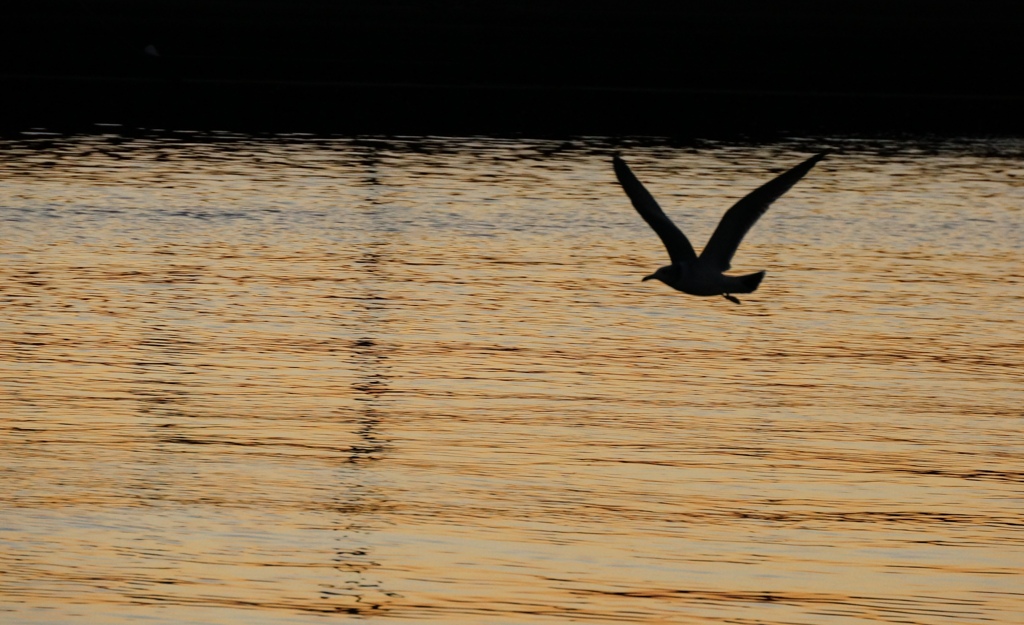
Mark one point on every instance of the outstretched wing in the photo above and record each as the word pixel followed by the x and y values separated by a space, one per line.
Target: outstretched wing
pixel 679 248
pixel 743 214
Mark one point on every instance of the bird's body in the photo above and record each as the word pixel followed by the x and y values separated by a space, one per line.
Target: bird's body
pixel 697 279
pixel 705 275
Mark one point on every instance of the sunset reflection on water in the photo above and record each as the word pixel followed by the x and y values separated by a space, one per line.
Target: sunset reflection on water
pixel 263 379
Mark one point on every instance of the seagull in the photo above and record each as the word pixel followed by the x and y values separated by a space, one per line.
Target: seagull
pixel 704 275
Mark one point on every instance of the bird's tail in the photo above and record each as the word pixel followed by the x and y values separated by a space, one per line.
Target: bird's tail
pixel 748 283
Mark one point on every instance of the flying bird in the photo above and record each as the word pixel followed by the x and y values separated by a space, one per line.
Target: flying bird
pixel 704 275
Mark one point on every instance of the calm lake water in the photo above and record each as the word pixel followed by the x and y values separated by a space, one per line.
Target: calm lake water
pixel 302 379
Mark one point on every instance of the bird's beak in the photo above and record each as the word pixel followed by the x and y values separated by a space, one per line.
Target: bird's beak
pixel 646 278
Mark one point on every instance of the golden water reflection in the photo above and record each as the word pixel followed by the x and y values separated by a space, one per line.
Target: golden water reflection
pixel 261 380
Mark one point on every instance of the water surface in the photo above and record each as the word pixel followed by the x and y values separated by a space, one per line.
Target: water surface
pixel 272 379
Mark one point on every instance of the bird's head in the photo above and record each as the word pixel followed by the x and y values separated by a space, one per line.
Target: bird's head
pixel 666 274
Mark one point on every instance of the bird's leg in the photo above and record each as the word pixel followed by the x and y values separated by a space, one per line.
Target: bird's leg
pixel 730 298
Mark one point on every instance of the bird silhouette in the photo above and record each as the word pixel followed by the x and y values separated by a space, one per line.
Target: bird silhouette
pixel 704 275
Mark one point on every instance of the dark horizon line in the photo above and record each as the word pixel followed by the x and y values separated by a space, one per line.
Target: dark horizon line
pixel 526 87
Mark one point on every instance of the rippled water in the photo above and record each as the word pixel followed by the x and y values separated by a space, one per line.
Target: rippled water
pixel 268 379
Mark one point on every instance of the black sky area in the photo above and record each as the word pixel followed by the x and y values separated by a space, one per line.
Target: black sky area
pixel 682 68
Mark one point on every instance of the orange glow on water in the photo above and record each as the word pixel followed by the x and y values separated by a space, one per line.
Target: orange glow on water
pixel 420 379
